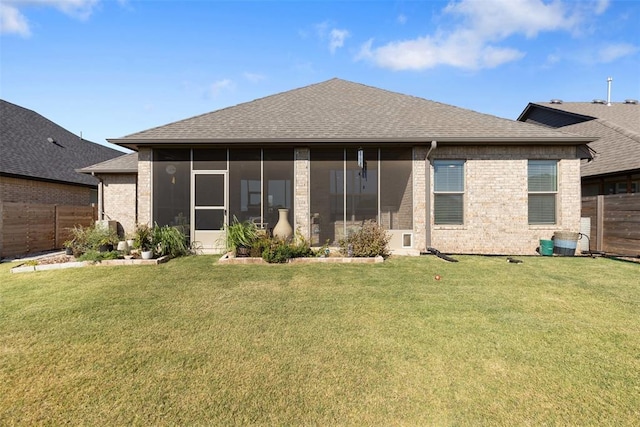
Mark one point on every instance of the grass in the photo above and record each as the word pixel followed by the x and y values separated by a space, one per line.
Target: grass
pixel 552 341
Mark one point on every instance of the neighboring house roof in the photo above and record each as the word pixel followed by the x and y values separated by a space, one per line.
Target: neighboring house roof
pixel 27 151
pixel 127 163
pixel 341 111
pixel 617 127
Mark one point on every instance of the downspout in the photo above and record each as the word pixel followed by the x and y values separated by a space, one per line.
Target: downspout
pixel 427 179
pixel 100 197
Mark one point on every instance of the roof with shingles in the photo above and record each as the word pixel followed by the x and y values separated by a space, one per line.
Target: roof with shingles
pixel 617 149
pixel 624 115
pixel 27 152
pixel 617 127
pixel 339 110
pixel 127 163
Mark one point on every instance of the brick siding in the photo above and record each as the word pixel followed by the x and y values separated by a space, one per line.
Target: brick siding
pixel 20 190
pixel 144 186
pixel 119 200
pixel 496 200
pixel 301 206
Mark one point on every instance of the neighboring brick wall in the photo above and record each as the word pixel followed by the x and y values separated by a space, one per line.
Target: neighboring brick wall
pixel 119 200
pixel 144 186
pixel 495 200
pixel 19 190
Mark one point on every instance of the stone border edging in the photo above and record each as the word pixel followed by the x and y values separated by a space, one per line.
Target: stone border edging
pixel 77 264
pixel 226 259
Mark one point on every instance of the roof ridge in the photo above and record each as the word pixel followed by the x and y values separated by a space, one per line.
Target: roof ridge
pixel 620 129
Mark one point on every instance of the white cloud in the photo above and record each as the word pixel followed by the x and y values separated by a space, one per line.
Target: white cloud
pixel 216 87
pixel 482 27
pixel 326 31
pixel 13 20
pixel 610 53
pixel 402 19
pixel 254 77
pixel 601 6
pixel 337 38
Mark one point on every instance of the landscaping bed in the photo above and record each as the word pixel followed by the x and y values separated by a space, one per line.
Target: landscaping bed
pixel 58 262
pixel 228 259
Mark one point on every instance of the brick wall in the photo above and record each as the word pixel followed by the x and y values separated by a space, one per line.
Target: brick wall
pixel 495 200
pixel 419 198
pixel 119 200
pixel 144 186
pixel 18 190
pixel 301 207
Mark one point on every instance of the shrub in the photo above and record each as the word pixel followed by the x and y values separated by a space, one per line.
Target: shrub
pixel 280 251
pixel 262 242
pixel 369 241
pixel 90 238
pixel 96 256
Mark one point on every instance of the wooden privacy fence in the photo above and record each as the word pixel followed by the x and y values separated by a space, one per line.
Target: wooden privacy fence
pixel 28 228
pixel 615 223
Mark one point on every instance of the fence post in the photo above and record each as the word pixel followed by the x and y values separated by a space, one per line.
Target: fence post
pixel 599 222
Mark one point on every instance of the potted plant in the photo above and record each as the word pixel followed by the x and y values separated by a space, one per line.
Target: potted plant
pixel 240 236
pixel 68 247
pixel 106 240
pixel 144 241
pixel 101 238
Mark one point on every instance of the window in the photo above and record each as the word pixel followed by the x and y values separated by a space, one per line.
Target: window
pixel 448 191
pixel 543 186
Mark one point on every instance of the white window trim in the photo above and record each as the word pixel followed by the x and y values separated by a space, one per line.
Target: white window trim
pixel 556 192
pixel 463 192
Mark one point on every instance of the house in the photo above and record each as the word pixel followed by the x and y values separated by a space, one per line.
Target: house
pixel 615 167
pixel 337 153
pixel 38 160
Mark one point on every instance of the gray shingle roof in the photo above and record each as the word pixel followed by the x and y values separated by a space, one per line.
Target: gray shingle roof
pixel 26 151
pixel 339 110
pixel 617 127
pixel 617 150
pixel 127 163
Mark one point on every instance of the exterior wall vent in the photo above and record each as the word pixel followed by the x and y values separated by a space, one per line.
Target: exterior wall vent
pixel 599 101
pixel 631 101
pixel 556 101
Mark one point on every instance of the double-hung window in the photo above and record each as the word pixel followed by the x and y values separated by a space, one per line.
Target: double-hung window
pixel 543 188
pixel 448 191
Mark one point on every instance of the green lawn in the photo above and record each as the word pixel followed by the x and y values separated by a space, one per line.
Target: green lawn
pixel 552 341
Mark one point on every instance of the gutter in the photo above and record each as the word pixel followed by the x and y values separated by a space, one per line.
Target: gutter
pixel 564 139
pixel 100 196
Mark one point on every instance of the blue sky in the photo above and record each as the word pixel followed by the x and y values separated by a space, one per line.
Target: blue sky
pixel 110 68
